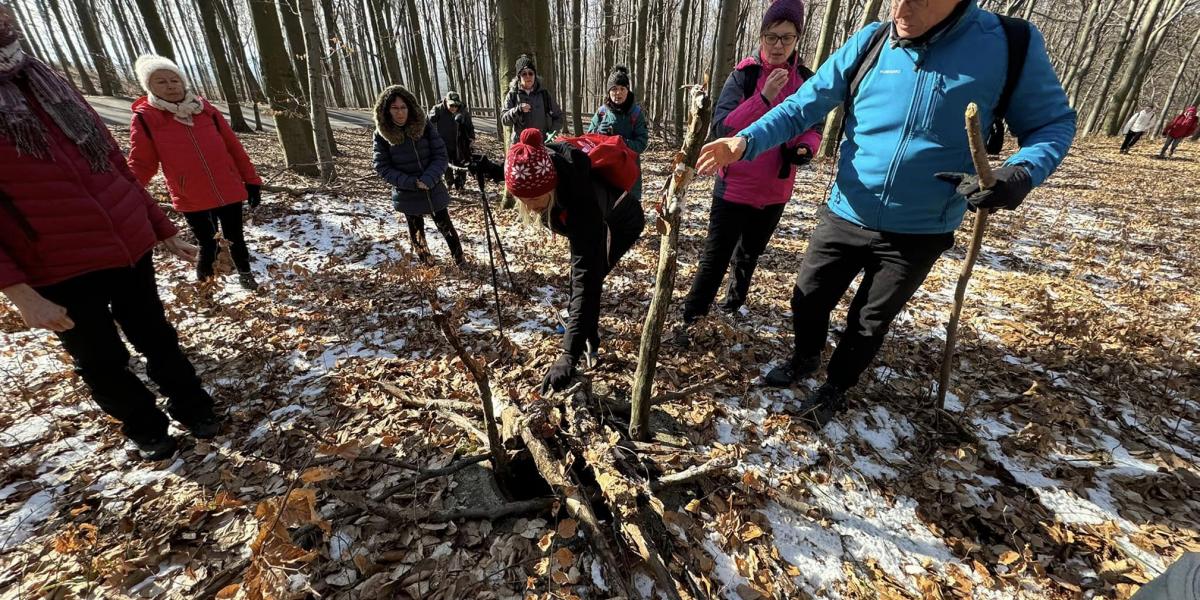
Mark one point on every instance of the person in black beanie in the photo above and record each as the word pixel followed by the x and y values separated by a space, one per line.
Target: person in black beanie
pixel 622 115
pixel 529 105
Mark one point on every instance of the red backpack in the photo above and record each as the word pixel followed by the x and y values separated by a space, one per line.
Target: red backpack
pixel 610 157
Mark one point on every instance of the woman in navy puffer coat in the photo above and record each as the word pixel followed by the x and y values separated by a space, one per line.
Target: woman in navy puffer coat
pixel 412 157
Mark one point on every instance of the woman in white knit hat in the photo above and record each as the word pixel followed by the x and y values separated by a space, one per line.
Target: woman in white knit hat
pixel 207 170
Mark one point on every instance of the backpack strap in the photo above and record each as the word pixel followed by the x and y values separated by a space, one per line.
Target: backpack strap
pixel 750 80
pixel 866 61
pixel 633 114
pixel 1018 33
pixel 145 126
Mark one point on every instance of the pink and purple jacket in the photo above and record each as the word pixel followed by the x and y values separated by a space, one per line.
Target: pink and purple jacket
pixel 758 182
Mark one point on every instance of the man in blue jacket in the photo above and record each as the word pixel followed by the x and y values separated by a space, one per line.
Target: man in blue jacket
pixel 901 186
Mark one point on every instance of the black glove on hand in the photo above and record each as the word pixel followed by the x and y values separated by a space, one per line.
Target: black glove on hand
pixel 253 195
pixel 559 375
pixel 800 155
pixel 460 118
pixel 1013 183
pixel 482 165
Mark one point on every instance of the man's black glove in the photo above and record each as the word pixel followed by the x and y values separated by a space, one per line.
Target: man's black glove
pixel 253 195
pixel 1013 183
pixel 799 156
pixel 460 118
pixel 559 375
pixel 482 165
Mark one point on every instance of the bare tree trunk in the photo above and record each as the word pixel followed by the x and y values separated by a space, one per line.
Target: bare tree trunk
pixel 609 32
pixel 216 47
pixel 825 41
pixel 680 63
pixel 833 123
pixel 576 67
pixel 427 90
pixel 63 63
pixel 386 40
pixel 283 91
pixel 290 17
pixel 724 50
pixel 316 87
pixel 29 44
pixel 335 48
pixel 126 33
pixel 154 26
pixel 89 88
pixel 1183 67
pixel 1118 57
pixel 109 86
pixel 1133 67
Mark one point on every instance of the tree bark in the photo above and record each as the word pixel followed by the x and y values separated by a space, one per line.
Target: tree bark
pixel 1118 57
pixel 290 17
pixel 216 47
pixel 680 63
pixel 576 67
pixel 608 40
pixel 1183 66
pixel 724 50
pixel 334 48
pixel 29 44
pixel 109 86
pixel 1133 67
pixel 386 39
pixel 664 281
pixel 826 38
pixel 427 89
pixel 154 26
pixel 283 91
pixel 316 87
pixel 89 88
pixel 833 123
pixel 131 53
pixel 63 63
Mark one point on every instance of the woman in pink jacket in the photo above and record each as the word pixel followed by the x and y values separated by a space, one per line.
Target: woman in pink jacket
pixel 749 197
pixel 207 170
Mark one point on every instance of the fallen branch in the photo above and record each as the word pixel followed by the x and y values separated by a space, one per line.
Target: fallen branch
pixel 715 465
pixel 492 513
pixel 688 391
pixel 408 400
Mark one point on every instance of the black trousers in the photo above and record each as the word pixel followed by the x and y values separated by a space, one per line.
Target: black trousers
pixel 1169 146
pixel 1131 139
pixel 205 224
pixel 416 233
pixel 893 266
pixel 736 232
pixel 100 301
pixel 456 178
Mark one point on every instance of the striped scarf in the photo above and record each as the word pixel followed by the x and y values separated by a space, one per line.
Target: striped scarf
pixel 68 110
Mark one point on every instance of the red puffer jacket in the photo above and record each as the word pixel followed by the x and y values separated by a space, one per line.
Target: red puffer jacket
pixel 205 164
pixel 1183 125
pixel 58 219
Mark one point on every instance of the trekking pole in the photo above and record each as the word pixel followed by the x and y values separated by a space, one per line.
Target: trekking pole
pixel 986 180
pixel 487 214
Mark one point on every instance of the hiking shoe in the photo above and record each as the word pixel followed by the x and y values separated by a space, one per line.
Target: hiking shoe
pixel 158 448
pixel 682 336
pixel 246 279
pixel 791 372
pixel 204 428
pixel 822 405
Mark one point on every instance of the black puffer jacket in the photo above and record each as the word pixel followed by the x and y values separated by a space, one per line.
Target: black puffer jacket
pixel 600 231
pixel 408 154
pixel 456 129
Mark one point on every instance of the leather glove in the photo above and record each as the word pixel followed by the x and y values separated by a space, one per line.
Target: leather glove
pixel 1013 183
pixel 799 156
pixel 559 375
pixel 482 165
pixel 253 195
pixel 460 118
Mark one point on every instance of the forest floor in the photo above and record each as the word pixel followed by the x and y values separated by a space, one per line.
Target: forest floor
pixel 1071 469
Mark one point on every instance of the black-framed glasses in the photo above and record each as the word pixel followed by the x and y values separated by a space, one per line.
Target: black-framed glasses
pixel 771 39
pixel 525 73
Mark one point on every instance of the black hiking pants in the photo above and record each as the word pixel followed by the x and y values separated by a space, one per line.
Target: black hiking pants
pixel 99 302
pixel 893 266
pixel 205 224
pixel 1131 139
pixel 736 232
pixel 441 218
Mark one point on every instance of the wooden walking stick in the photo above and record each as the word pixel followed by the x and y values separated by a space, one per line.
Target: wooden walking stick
pixel 986 180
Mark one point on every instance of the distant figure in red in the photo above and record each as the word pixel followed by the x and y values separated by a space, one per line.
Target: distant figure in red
pixel 208 172
pixel 1183 126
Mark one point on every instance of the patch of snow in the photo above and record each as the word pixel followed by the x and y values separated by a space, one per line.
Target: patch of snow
pixel 33 428
pixel 20 524
pixel 815 550
pixel 725 569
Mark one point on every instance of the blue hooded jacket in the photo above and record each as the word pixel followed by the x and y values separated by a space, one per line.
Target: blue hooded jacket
pixel 906 121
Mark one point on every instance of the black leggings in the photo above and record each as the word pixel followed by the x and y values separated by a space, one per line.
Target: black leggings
pixel 204 225
pixel 441 218
pixel 737 232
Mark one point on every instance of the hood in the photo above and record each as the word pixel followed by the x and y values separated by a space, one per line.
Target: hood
pixel 1191 111
pixel 142 105
pixel 387 129
pixel 515 84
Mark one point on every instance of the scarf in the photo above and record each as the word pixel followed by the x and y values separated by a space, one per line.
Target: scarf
pixel 183 111
pixel 623 107
pixel 68 110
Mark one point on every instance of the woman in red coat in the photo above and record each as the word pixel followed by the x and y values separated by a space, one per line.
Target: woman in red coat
pixel 208 172
pixel 1183 126
pixel 77 234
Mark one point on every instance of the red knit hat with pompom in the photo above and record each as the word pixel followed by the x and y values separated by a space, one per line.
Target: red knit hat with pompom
pixel 528 170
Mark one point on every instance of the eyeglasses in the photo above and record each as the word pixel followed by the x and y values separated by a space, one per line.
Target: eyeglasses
pixel 771 39
pixel 526 73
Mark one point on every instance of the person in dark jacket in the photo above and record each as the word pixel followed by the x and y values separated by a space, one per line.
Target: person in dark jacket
pixel 749 197
pixel 622 115
pixel 529 104
pixel 77 234
pixel 411 156
pixel 453 121
pixel 208 172
pixel 557 188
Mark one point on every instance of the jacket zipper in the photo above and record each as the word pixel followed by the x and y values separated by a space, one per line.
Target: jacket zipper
pixel 204 162
pixel 112 228
pixel 906 136
pixel 417 155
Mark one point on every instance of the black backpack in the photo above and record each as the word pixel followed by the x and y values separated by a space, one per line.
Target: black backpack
pixel 1018 33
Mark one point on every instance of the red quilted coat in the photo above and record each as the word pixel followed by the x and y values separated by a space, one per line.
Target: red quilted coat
pixel 1183 125
pixel 58 219
pixel 205 164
